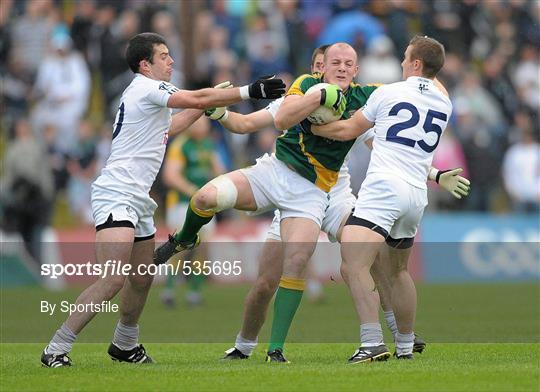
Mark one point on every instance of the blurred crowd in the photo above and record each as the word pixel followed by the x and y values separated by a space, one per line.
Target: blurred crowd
pixel 62 71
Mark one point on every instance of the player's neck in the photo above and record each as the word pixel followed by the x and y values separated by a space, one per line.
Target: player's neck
pixel 418 74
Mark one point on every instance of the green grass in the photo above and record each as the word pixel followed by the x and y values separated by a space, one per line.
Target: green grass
pixel 479 313
pixel 481 337
pixel 193 367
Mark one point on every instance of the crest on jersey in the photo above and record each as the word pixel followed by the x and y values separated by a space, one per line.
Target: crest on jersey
pixel 422 87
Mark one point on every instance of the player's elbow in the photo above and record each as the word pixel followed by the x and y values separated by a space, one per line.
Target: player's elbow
pixel 345 136
pixel 189 100
pixel 281 122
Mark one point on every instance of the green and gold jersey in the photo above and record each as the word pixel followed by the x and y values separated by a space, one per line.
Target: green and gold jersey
pixel 196 158
pixel 316 158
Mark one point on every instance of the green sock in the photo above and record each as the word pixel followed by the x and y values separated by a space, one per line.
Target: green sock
pixel 169 284
pixel 195 282
pixel 195 219
pixel 285 306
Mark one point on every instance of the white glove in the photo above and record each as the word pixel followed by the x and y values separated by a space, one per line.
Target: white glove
pixel 219 114
pixel 450 180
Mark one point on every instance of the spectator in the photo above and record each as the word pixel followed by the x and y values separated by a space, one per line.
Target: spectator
pixel 30 35
pixel 499 84
pixel 163 23
pixel 81 167
pixel 379 65
pixel 81 27
pixel 527 77
pixel 266 48
pixel 521 168
pixel 28 185
pixel 62 90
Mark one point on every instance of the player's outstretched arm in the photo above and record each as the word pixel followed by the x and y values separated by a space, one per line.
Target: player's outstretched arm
pixel 450 180
pixel 344 130
pixel 267 87
pixel 247 123
pixel 181 121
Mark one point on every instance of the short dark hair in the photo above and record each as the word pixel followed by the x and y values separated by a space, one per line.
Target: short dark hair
pixel 141 47
pixel 320 50
pixel 430 52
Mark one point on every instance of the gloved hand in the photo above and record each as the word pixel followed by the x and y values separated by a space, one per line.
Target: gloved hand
pixel 332 97
pixel 451 181
pixel 266 87
pixel 218 113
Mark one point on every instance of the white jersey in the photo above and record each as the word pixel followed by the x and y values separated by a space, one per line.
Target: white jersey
pixel 409 118
pixel 140 134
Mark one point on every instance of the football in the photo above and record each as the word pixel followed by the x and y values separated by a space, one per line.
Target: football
pixel 321 115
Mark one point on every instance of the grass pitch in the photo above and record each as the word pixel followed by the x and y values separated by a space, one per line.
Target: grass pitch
pixel 480 338
pixel 194 367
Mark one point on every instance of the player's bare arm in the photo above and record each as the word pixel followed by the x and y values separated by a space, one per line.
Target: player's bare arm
pixel 247 123
pixel 296 108
pixel 266 87
pixel 344 130
pixel 181 121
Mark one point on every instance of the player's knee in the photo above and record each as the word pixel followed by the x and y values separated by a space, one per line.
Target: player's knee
pixel 295 265
pixel 112 286
pixel 218 195
pixel 205 198
pixel 141 282
pixel 266 286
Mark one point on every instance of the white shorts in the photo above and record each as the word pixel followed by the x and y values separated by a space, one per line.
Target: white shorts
pixel 176 215
pixel 392 204
pixel 341 202
pixel 110 199
pixel 274 185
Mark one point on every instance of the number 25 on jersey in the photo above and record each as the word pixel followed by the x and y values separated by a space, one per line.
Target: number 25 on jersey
pixel 428 126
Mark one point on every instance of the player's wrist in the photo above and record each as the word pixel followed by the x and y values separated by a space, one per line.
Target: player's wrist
pixel 244 92
pixel 224 117
pixel 433 174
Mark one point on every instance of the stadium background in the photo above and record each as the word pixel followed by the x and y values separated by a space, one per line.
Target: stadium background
pixel 62 72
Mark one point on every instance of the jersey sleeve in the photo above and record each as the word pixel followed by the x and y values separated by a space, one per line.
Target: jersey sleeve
pixel 273 106
pixel 370 108
pixel 302 84
pixel 160 92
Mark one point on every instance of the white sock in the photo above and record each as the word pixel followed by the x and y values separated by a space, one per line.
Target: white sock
pixel 391 322
pixel 404 343
pixel 62 341
pixel 371 334
pixel 245 346
pixel 126 337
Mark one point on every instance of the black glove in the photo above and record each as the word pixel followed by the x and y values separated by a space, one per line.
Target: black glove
pixel 267 87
